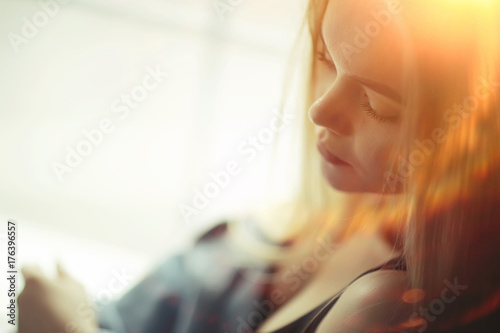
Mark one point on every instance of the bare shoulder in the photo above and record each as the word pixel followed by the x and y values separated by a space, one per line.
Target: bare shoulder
pixel 373 301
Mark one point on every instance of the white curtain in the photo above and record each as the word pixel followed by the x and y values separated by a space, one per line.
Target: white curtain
pixel 201 77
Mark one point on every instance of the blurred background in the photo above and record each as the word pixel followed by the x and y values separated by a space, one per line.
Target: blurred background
pixel 153 96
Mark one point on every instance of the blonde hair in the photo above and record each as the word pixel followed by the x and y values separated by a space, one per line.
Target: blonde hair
pixel 445 215
pixel 453 194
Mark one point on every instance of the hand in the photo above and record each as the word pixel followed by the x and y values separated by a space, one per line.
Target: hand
pixel 57 305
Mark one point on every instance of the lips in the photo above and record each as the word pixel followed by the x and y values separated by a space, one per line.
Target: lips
pixel 329 157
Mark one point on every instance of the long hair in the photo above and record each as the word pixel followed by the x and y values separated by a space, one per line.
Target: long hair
pixel 453 154
pixel 441 205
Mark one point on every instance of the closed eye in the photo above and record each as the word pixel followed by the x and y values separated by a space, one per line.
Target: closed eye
pixel 365 104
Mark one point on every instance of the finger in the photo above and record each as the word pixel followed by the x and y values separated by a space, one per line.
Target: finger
pixel 32 272
pixel 61 271
pixel 63 274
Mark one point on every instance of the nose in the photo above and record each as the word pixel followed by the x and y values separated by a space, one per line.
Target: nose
pixel 334 110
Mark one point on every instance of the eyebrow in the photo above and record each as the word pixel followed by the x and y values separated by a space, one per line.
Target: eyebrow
pixel 375 86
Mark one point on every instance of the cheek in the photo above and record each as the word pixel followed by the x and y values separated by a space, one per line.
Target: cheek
pixel 374 148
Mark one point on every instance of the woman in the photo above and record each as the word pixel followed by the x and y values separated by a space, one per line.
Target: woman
pixel 405 112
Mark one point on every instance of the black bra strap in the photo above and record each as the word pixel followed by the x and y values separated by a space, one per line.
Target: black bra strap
pixel 310 321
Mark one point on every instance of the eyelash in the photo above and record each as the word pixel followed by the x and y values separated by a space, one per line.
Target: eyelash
pixel 365 104
pixel 321 57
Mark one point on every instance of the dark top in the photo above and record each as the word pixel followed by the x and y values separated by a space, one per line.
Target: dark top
pixel 211 289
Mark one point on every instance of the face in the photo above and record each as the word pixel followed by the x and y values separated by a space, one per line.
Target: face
pixel 358 108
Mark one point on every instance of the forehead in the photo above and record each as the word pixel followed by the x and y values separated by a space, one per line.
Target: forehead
pixel 364 38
